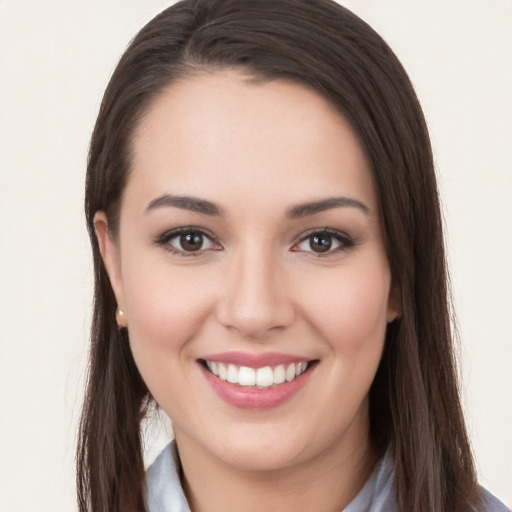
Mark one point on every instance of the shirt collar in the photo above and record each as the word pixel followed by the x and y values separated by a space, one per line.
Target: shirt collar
pixel 165 494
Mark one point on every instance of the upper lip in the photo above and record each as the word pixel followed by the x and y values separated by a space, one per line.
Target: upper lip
pixel 255 360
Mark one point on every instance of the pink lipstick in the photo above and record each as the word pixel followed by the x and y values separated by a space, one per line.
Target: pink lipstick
pixel 256 381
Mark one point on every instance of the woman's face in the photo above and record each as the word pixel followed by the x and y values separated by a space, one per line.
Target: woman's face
pixel 249 251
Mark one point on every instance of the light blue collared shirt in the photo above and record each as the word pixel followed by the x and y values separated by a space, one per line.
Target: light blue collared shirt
pixel 165 494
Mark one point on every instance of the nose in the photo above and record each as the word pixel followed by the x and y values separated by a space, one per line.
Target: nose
pixel 255 300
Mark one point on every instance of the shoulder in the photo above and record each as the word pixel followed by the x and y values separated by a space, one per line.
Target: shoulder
pixel 491 504
pixel 381 487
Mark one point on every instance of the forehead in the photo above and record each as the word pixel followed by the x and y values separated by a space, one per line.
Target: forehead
pixel 214 134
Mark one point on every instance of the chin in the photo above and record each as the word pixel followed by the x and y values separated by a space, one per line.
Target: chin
pixel 260 450
pixel 255 458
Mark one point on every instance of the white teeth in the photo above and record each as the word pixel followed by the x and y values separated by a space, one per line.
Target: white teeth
pixel 247 376
pixel 265 377
pixel 290 372
pixel 261 377
pixel 223 372
pixel 232 374
pixel 279 374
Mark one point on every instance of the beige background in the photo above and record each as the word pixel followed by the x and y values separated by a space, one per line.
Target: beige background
pixel 55 60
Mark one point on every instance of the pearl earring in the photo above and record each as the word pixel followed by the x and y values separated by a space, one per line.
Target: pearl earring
pixel 120 318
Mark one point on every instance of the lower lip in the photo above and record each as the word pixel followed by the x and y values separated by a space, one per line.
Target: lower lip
pixel 252 398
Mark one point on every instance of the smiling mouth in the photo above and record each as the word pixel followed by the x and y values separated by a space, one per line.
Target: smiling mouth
pixel 266 377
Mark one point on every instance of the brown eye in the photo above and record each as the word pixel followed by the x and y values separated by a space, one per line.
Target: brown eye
pixel 191 241
pixel 324 242
pixel 187 242
pixel 320 243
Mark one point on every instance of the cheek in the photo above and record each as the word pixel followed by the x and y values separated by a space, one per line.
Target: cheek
pixel 349 308
pixel 165 309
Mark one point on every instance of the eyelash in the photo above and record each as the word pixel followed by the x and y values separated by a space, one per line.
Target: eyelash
pixel 165 239
pixel 345 242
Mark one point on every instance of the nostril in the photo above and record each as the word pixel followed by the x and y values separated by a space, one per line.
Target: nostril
pixel 255 319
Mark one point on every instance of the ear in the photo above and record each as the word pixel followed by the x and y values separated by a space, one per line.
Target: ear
pixel 109 250
pixel 394 303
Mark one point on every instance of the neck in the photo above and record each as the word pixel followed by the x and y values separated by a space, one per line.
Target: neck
pixel 326 483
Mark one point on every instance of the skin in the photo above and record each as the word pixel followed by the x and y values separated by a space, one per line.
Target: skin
pixel 255 151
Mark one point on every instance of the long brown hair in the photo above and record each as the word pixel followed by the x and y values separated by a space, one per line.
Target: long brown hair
pixel 414 400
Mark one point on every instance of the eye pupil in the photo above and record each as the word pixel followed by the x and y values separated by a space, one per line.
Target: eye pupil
pixel 320 243
pixel 191 241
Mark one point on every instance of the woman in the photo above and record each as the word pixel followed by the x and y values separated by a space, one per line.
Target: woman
pixel 270 270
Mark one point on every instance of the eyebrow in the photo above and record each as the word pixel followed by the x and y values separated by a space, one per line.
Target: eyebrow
pixel 205 207
pixel 305 209
pixel 186 203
